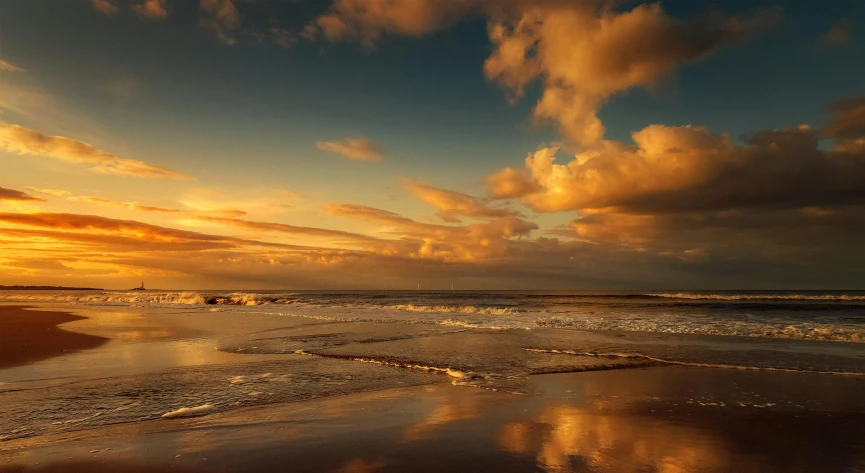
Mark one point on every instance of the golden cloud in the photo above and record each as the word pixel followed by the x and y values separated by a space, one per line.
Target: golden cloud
pixel 337 235
pixel 453 204
pixel 107 7
pixel 358 149
pixel 838 34
pixel 5 66
pixel 54 192
pixel 848 121
pixel 367 20
pixel 125 205
pixel 23 141
pixel 475 242
pixel 582 52
pixel 674 169
pixel 151 9
pixel 10 194
pixel 221 17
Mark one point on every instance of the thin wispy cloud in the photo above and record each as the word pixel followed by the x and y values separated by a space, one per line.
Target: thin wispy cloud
pixel 27 142
pixel 11 194
pixel 357 149
pixel 5 66
pixel 837 35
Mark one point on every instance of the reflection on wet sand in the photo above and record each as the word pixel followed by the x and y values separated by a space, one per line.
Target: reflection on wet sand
pixel 564 437
pixel 450 408
pixel 359 465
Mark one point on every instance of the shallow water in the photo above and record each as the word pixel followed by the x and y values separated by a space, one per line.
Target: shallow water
pixel 174 352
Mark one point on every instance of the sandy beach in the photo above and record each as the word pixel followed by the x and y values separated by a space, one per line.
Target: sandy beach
pixel 31 335
pixel 201 391
pixel 650 419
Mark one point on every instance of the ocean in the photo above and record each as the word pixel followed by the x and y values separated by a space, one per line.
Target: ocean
pixel 835 316
pixel 221 350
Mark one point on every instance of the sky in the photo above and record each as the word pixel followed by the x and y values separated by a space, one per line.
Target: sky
pixel 488 144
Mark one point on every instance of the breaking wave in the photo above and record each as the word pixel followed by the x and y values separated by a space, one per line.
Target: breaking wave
pixel 797 331
pixel 447 309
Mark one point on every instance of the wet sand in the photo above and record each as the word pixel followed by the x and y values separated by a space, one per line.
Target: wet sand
pixel 32 335
pixel 101 410
pixel 665 419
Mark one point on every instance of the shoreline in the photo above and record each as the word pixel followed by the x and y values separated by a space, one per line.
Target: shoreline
pixel 28 335
pixel 642 419
pixel 196 391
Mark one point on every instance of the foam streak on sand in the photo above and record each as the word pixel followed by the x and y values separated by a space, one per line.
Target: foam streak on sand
pixel 687 363
pixel 453 373
pixel 190 411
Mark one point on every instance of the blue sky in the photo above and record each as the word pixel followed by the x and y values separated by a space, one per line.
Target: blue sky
pixel 245 119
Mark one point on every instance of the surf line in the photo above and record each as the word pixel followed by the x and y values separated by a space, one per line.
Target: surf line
pixel 688 363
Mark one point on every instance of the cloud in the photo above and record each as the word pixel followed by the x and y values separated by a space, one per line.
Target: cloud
pixel 585 52
pixel 674 169
pixel 582 52
pixel 221 17
pixel 358 149
pixel 257 200
pixel 838 34
pixel 10 194
pixel 5 66
pixel 334 235
pixel 282 37
pixel 54 192
pixel 125 205
pixel 476 242
pixel 107 7
pixel 23 141
pixel 848 121
pixel 151 9
pixel 452 205
pixel 368 20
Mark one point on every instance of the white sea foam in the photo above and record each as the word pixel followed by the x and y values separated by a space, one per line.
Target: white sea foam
pixel 259 378
pixel 190 411
pixel 682 325
pixel 449 309
pixel 655 359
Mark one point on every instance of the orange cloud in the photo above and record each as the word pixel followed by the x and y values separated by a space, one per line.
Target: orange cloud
pixel 367 20
pixel 151 9
pixel 475 242
pixel 848 121
pixel 5 66
pixel 837 35
pixel 9 194
pixel 358 149
pixel 107 7
pixel 689 168
pixel 337 235
pixel 125 205
pixel 282 37
pixel 54 192
pixel 584 52
pixel 453 204
pixel 221 17
pixel 23 141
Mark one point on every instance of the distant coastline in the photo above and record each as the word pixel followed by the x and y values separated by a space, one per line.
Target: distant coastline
pixel 47 288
